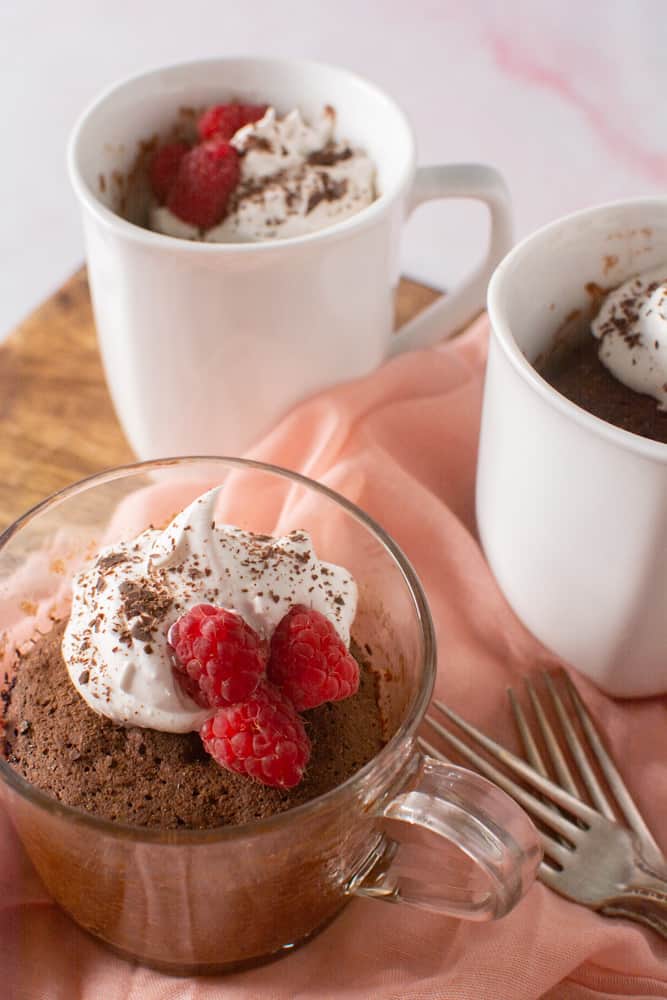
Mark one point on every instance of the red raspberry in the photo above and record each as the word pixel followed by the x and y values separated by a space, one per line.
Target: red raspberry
pixel 309 661
pixel 164 167
pixel 252 113
pixel 219 657
pixel 225 120
pixel 206 177
pixel 263 737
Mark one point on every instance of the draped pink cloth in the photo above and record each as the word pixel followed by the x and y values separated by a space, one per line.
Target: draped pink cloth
pixel 402 444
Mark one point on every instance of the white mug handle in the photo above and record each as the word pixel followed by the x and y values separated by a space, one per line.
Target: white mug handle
pixel 449 314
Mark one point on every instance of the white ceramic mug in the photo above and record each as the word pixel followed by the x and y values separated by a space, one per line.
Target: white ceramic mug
pixel 572 511
pixel 206 345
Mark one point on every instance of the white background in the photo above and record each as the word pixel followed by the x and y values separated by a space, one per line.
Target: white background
pixel 567 98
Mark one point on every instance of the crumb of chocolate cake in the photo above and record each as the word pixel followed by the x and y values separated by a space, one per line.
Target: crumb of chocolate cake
pixel 156 779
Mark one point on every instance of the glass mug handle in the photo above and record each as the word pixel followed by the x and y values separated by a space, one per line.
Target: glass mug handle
pixel 452 842
pixel 446 316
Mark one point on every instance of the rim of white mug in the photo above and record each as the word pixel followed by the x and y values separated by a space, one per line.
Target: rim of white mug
pixel 360 220
pixel 501 330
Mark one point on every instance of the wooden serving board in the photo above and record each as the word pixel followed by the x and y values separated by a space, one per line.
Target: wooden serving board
pixel 57 423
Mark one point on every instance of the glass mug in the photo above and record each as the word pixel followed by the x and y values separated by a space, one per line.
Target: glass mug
pixel 404 828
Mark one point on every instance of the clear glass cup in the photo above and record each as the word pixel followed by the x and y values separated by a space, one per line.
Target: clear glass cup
pixel 405 828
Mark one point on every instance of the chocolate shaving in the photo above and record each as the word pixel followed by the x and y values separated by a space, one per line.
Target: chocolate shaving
pixel 140 598
pixel 113 559
pixel 142 631
pixel 314 200
pixel 330 191
pixel 329 155
pixel 6 693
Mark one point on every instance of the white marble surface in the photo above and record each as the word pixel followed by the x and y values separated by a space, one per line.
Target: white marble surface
pixel 565 97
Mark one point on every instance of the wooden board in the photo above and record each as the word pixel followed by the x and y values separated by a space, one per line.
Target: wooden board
pixel 57 423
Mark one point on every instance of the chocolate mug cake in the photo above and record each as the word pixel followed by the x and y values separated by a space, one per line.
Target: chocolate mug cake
pixel 246 173
pixel 107 709
pixel 613 362
pixel 208 726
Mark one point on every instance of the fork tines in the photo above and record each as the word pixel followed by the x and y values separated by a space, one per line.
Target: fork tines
pixel 562 792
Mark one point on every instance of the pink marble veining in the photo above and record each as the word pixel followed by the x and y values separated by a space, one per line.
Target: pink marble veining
pixel 543 89
pixel 512 59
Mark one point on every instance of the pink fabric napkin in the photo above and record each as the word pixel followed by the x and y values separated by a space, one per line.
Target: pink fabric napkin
pixel 402 444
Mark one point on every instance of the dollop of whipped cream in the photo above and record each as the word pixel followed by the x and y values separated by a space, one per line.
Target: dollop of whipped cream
pixel 632 329
pixel 295 180
pixel 115 644
pixel 273 144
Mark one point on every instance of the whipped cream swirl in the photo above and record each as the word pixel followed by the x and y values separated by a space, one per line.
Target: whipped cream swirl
pixel 115 644
pixel 632 329
pixel 295 180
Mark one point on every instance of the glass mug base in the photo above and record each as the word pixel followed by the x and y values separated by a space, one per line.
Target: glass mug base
pixel 221 968
pixel 193 901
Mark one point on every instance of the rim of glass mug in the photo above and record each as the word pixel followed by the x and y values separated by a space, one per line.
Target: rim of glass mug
pixel 501 328
pixel 360 220
pixel 413 716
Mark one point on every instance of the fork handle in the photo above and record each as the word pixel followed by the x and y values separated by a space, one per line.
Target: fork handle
pixel 655 921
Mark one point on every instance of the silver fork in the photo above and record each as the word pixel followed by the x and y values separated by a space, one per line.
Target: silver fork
pixel 590 857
